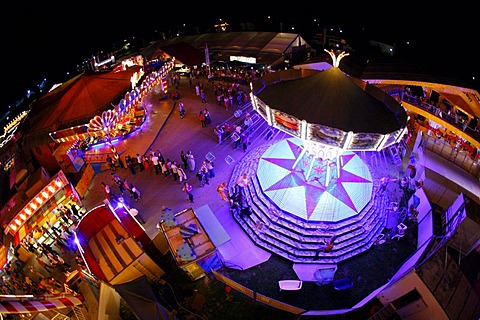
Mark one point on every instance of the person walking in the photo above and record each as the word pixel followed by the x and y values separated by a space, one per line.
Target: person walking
pixel 108 191
pixel 188 190
pixel 326 247
pixel 181 109
pixel 135 193
pixel 118 181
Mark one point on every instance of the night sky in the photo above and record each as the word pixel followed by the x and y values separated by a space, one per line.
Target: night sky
pixel 48 40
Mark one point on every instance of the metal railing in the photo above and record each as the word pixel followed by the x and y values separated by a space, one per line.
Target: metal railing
pixel 446 151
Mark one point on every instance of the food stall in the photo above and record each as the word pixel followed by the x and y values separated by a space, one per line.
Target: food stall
pixel 189 242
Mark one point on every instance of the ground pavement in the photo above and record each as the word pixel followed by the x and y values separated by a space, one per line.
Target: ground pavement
pixel 165 131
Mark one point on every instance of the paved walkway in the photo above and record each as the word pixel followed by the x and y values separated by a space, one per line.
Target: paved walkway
pixel 164 130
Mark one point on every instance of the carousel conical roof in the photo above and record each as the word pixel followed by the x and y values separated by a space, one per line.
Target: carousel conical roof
pixel 331 98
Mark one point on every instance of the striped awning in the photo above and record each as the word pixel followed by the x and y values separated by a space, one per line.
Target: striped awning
pixel 32 305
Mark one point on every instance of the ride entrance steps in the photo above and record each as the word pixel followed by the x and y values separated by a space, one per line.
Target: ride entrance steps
pixel 395 153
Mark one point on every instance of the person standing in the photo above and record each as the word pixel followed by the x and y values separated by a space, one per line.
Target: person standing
pixel 128 186
pixel 181 174
pixel 134 213
pixel 220 132
pixel 160 156
pixel 140 162
pixel 245 140
pixel 190 161
pixel 201 116
pixel 110 162
pixel 130 164
pixel 188 190
pixel 184 159
pixel 221 189
pixel 210 168
pixel 248 122
pixel 74 211
pixel 155 163
pixel 206 114
pixel 202 174
pixel 174 168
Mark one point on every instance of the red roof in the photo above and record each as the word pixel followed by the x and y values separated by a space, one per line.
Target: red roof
pixel 77 101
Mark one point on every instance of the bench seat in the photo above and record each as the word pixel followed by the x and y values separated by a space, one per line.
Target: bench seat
pixel 290 284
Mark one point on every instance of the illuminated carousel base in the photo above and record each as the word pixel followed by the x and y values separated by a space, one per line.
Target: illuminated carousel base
pixel 285 222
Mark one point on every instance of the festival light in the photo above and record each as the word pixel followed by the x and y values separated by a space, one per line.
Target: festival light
pixel 336 59
pixel 106 123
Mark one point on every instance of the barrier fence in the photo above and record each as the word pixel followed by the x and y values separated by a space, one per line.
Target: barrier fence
pixel 257 296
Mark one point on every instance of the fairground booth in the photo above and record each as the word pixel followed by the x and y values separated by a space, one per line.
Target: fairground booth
pixel 35 208
pixel 86 113
pixel 114 244
pixel 119 253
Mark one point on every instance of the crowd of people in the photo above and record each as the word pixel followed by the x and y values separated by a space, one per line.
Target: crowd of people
pixel 54 254
pixel 227 95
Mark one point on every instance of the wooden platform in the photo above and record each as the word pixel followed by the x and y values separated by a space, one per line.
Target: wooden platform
pixel 187 250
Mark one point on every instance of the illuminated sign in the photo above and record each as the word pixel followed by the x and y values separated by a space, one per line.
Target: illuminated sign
pixel 243 59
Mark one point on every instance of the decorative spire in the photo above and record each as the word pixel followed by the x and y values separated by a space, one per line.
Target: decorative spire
pixel 335 59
